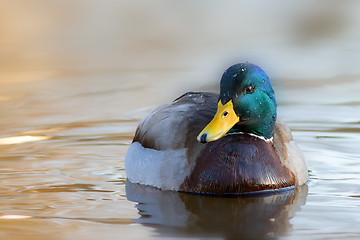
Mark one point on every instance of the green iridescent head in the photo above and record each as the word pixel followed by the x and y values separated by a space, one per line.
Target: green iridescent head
pixel 246 104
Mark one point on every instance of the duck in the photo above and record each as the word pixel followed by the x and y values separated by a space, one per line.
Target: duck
pixel 230 142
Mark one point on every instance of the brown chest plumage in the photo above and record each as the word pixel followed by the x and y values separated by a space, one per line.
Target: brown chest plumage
pixel 238 163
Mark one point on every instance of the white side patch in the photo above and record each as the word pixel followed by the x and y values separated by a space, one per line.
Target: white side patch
pixel 164 169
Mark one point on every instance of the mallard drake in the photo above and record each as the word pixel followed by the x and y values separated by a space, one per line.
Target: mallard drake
pixel 227 143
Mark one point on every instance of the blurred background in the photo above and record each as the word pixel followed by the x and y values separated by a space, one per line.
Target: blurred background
pixel 76 77
pixel 164 47
pixel 82 36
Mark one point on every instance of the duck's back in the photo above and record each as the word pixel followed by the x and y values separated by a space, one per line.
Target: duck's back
pixel 172 125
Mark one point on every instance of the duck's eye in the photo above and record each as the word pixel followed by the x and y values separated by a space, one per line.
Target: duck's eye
pixel 225 114
pixel 249 89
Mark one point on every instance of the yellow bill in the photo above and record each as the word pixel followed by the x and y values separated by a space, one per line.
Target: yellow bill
pixel 224 119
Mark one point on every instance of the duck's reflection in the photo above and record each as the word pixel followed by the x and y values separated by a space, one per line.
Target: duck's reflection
pixel 179 214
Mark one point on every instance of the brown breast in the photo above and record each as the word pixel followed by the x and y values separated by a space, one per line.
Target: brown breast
pixel 238 163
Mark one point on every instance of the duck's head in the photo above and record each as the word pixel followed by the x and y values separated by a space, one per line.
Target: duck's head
pixel 246 104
